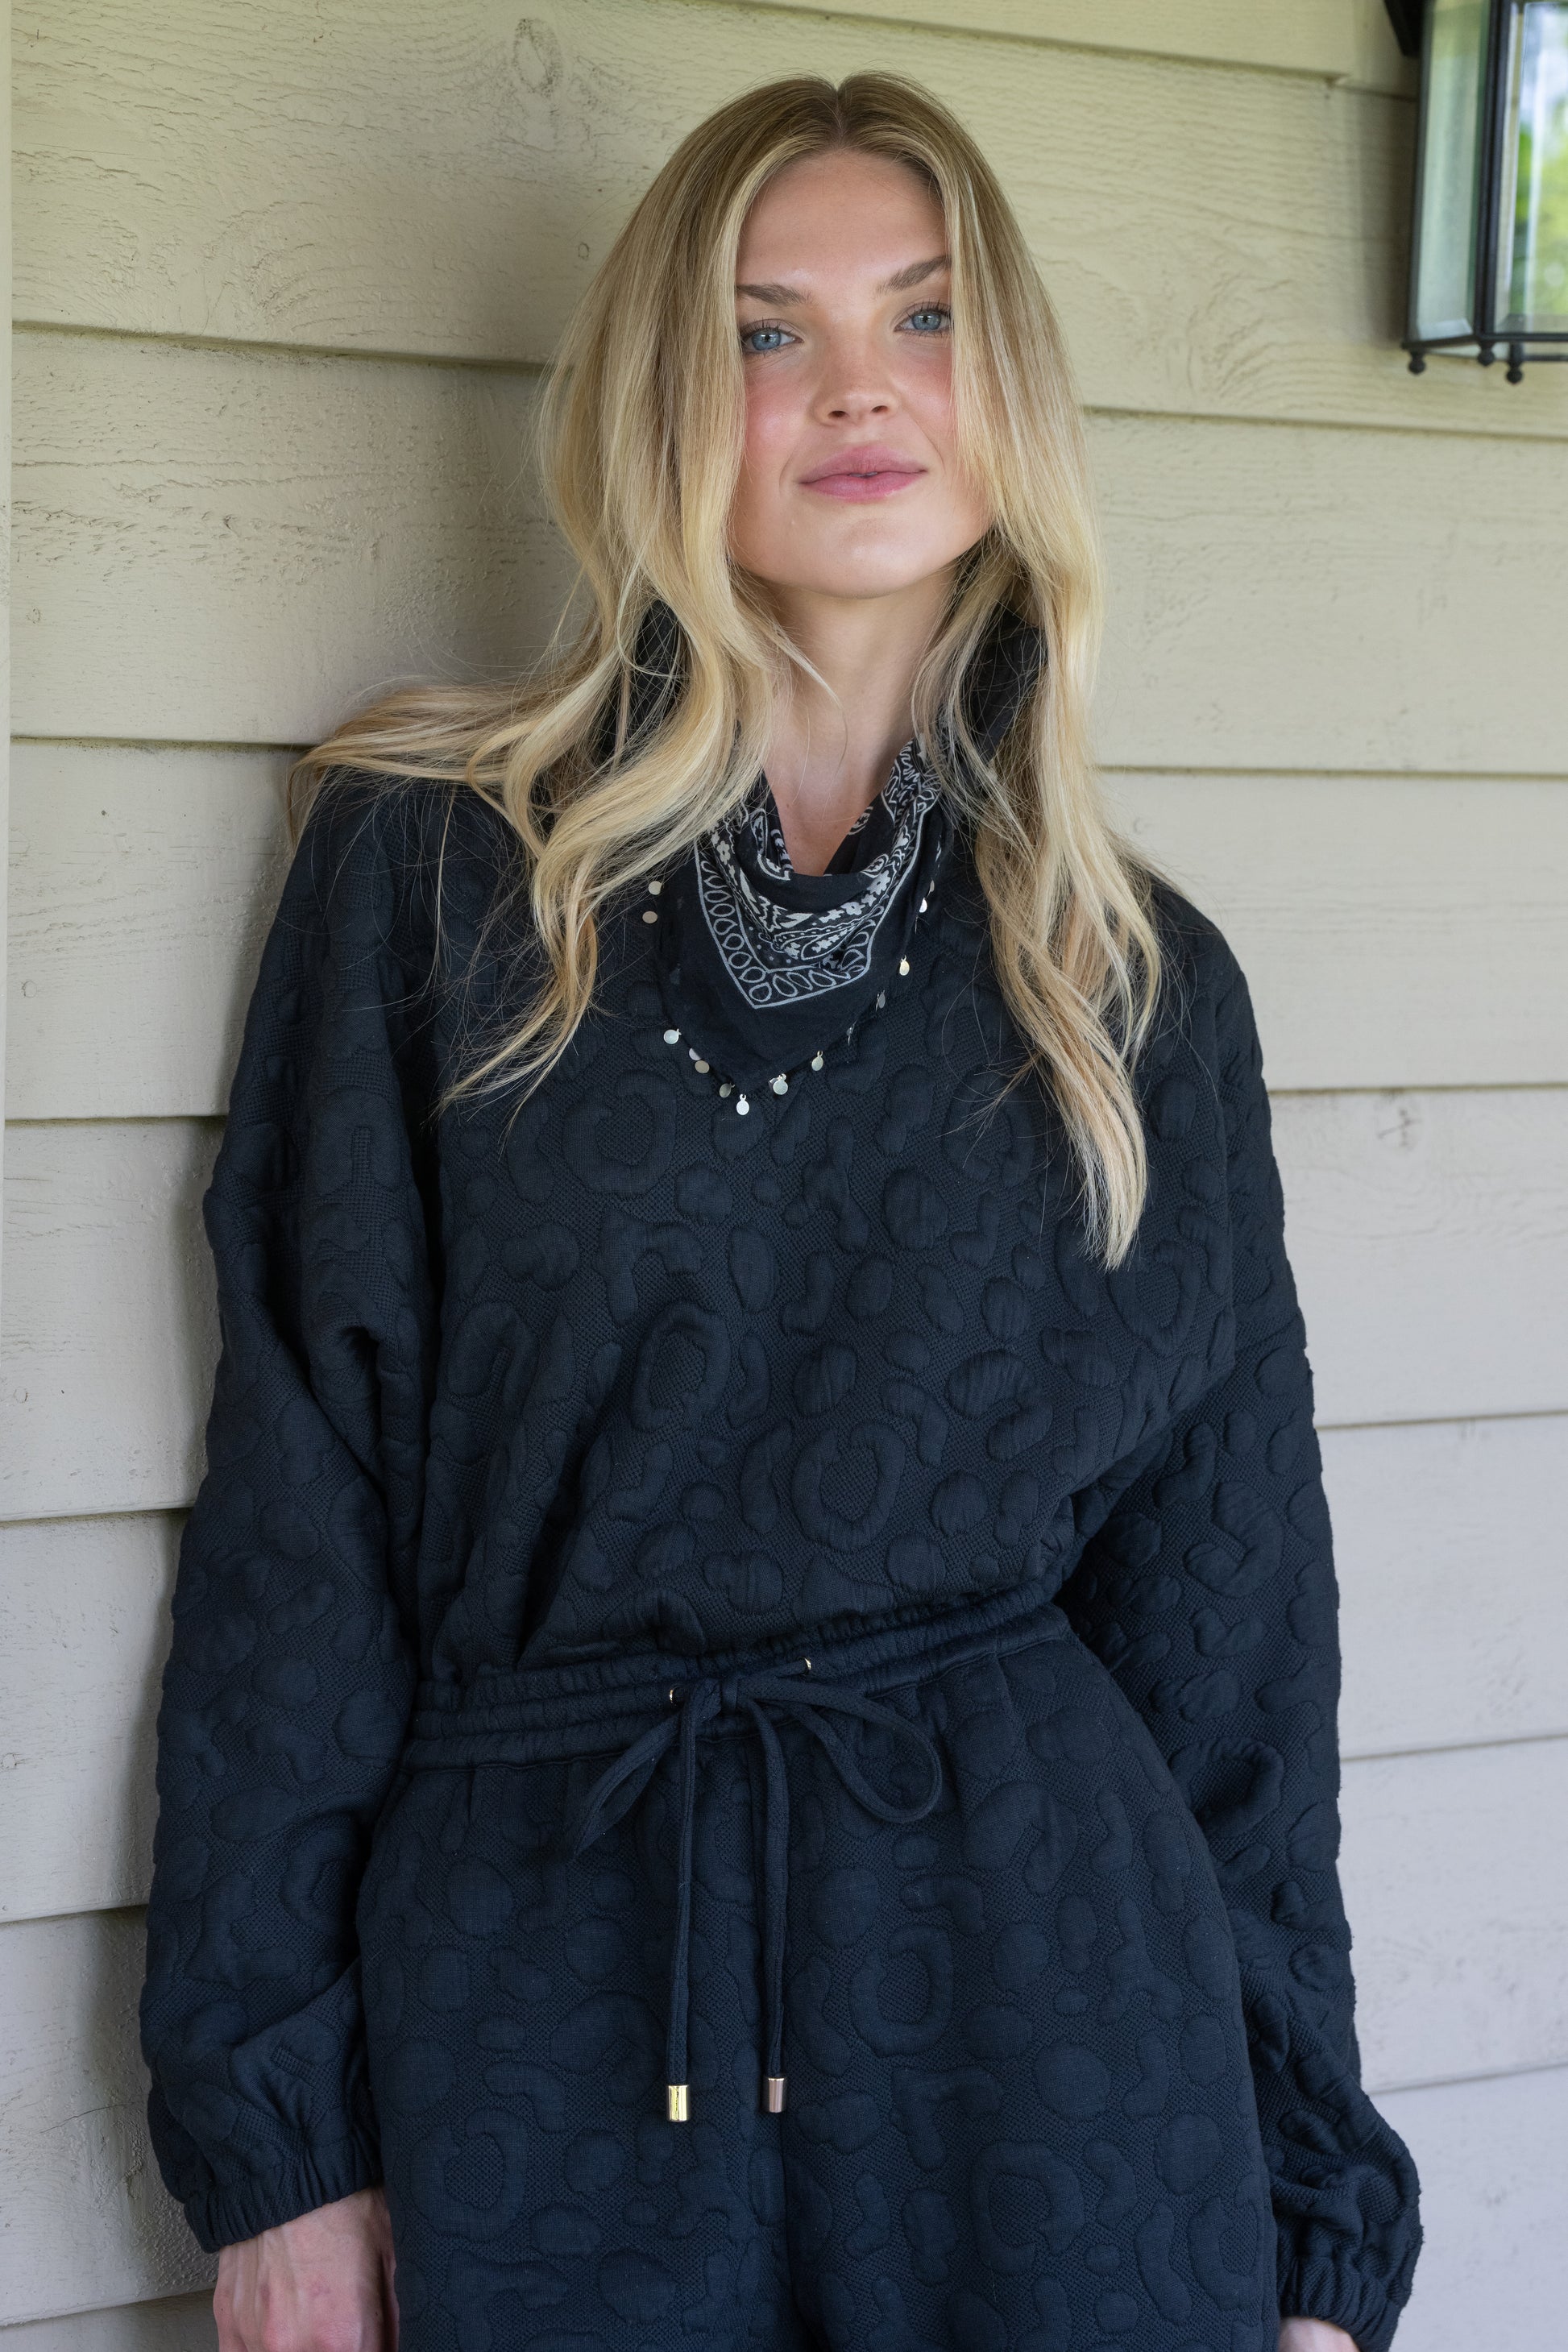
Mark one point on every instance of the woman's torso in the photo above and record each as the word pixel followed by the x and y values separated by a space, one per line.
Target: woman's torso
pixel 705 1379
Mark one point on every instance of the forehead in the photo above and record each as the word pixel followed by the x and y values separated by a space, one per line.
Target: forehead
pixel 840 216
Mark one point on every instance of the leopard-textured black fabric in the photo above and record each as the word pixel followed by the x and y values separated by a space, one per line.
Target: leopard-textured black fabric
pixel 685 1596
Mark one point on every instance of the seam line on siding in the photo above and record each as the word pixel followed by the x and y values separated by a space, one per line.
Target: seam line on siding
pixel 1422 1087
pixel 1362 427
pixel 954 28
pixel 1458 2081
pixel 1444 1420
pixel 1349 1756
pixel 92 330
pixel 1328 775
pixel 152 743
pixel 94 1518
pixel 175 2299
pixel 124 1119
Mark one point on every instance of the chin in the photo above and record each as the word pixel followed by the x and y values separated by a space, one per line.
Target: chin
pixel 884 575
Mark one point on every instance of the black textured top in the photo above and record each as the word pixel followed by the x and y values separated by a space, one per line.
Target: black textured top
pixel 626 1367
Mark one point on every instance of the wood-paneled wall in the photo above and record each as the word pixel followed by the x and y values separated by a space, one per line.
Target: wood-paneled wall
pixel 4 595
pixel 285 278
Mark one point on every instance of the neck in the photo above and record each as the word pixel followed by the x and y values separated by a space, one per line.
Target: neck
pixel 833 745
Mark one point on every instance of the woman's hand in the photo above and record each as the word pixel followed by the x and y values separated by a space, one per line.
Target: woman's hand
pixel 1313 2336
pixel 320 2283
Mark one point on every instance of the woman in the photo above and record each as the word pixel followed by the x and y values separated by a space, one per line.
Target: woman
pixel 750 1752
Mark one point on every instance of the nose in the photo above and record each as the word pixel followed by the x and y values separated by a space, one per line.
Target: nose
pixel 854 384
pixel 851 407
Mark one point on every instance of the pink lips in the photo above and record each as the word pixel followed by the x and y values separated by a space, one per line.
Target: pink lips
pixel 867 472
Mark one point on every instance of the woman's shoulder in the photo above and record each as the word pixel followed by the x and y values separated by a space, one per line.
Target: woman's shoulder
pixel 416 861
pixel 362 821
pixel 1205 999
pixel 1190 939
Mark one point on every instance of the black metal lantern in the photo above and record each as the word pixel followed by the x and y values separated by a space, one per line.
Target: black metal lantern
pixel 1489 260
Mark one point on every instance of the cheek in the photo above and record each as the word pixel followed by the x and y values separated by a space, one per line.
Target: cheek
pixel 927 394
pixel 772 424
pixel 757 512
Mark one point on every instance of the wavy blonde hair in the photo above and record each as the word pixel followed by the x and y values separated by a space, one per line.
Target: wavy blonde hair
pixel 641 444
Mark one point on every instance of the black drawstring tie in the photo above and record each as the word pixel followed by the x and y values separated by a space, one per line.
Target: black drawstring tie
pixel 762 1697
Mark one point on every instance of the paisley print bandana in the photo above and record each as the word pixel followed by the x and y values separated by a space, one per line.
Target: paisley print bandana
pixel 761 968
pixel 764 970
pixel 780 951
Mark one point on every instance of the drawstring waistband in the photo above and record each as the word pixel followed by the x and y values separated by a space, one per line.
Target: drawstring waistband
pixel 635 1708
pixel 696 1707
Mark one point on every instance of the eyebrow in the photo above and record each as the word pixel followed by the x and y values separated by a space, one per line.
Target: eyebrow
pixel 900 283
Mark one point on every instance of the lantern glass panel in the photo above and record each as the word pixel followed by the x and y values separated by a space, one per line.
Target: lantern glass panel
pixel 1453 102
pixel 1533 224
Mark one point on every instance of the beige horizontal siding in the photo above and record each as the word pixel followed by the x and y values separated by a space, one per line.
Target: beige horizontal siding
pixel 142 884
pixel 1286 598
pixel 84 1628
pixel 111 1337
pixel 1451 1544
pixel 142 880
pixel 266 537
pixel 174 2323
pixel 1428 1245
pixel 1426 1231
pixel 1394 930
pixel 1458 1906
pixel 449 187
pixel 87 2218
pixel 6 249
pixel 248 542
pixel 1340 40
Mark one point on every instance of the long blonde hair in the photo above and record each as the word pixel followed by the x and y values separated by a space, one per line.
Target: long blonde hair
pixel 641 444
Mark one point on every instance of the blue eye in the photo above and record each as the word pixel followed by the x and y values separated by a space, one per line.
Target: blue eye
pixel 750 340
pixel 931 318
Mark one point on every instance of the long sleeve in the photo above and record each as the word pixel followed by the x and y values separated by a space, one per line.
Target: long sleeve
pixel 290 1677
pixel 1209 1591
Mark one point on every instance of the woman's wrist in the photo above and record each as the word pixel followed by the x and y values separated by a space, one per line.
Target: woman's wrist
pixel 324 2279
pixel 1297 2335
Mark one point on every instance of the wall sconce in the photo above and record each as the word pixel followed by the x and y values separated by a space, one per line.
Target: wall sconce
pixel 1488 258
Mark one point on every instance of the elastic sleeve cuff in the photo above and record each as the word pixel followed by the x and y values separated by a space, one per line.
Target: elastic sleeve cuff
pixel 230 2210
pixel 1320 2288
pixel 1345 2190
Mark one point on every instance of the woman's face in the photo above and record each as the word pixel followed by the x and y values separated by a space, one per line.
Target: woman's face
pixel 851 484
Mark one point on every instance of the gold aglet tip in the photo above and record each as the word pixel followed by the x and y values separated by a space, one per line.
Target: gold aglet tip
pixel 775 2087
pixel 677 2114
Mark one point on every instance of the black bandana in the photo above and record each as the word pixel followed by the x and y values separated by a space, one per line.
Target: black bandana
pixel 761 968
